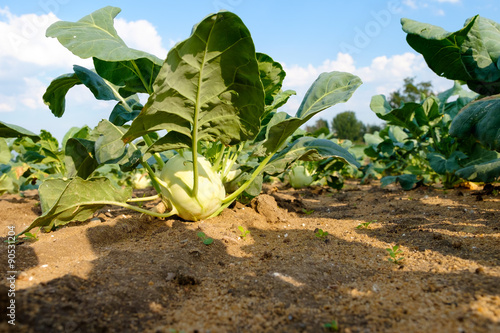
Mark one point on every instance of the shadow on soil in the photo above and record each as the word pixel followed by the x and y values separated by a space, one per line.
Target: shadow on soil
pixel 158 285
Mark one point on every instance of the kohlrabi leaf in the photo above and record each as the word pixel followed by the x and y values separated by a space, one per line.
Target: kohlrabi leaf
pixel 65 201
pixel 75 132
pixel 470 54
pixel 5 154
pixel 403 117
pixel 328 89
pixel 109 148
pixel 209 87
pixel 95 36
pixel 452 108
pixel 481 119
pixel 55 95
pixel 308 149
pixel 120 114
pixel 443 165
pixel 125 74
pixel 271 75
pixel 14 131
pixel 79 159
pixel 270 110
pixel 486 172
pixel 407 181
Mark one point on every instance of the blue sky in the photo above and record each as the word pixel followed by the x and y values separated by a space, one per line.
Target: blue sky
pixel 307 37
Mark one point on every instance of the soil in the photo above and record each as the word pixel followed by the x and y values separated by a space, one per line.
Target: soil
pixel 123 272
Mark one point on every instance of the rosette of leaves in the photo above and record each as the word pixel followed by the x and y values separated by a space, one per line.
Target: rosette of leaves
pixel 214 96
pixel 471 55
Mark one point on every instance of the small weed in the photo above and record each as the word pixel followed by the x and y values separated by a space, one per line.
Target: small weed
pixel 494 192
pixel 307 212
pixel 320 233
pixel 332 326
pixel 394 252
pixel 365 225
pixel 31 237
pixel 206 240
pixel 243 231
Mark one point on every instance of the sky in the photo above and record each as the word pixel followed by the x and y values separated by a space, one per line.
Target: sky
pixel 307 37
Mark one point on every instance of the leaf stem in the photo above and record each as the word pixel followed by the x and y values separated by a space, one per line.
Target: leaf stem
pixel 230 198
pixel 157 156
pixel 132 207
pixel 151 198
pixel 139 74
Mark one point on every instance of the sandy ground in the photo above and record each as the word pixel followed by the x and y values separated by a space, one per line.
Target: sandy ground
pixel 122 272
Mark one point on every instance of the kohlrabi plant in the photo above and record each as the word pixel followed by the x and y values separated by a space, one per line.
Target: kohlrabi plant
pixel 299 176
pixel 470 55
pixel 208 133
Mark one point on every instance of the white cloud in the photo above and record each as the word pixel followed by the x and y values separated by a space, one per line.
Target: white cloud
pixel 449 1
pixel 141 35
pixel 23 39
pixel 410 3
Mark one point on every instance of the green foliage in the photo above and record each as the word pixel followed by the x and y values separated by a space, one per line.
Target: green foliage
pixel 215 98
pixel 243 232
pixel 205 239
pixel 346 126
pixel 365 225
pixel 417 145
pixel 319 128
pixel 395 255
pixel 319 233
pixel 471 55
pixel 332 326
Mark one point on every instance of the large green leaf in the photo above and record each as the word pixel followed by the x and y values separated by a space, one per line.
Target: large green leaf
pixel 308 149
pixel 95 36
pixel 486 172
pixel 109 148
pixel 126 74
pixel 209 87
pixel 443 165
pixel 407 181
pixel 481 119
pixel 55 95
pixel 470 54
pixel 14 131
pixel 328 89
pixel 79 159
pixel 64 201
pixel 122 114
pixel 271 75
pixel 452 108
pixel 403 117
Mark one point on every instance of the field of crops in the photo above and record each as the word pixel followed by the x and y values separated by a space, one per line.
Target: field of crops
pixel 207 209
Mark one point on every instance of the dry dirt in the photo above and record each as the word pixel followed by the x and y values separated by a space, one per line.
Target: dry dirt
pixel 122 272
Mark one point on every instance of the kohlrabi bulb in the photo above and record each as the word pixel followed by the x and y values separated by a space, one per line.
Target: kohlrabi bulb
pixel 299 177
pixel 178 176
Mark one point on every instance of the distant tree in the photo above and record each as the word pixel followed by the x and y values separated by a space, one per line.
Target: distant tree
pixel 320 127
pixel 411 92
pixel 347 126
